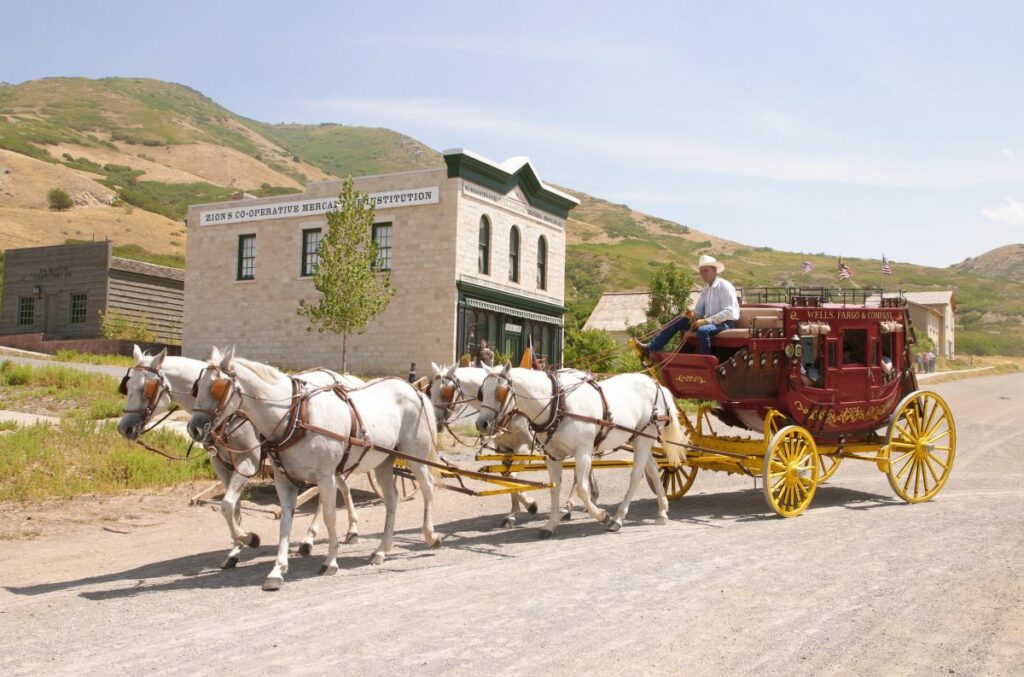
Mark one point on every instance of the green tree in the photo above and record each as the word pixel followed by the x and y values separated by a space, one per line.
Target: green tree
pixel 353 290
pixel 670 296
pixel 591 349
pixel 59 200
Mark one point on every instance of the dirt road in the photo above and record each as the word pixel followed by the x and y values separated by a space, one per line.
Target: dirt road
pixel 861 583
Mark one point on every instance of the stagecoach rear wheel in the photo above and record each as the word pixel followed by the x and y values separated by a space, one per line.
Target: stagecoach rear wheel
pixel 920 447
pixel 676 481
pixel 407 487
pixel 827 466
pixel 790 471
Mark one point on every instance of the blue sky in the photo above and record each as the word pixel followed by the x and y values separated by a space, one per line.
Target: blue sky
pixel 847 128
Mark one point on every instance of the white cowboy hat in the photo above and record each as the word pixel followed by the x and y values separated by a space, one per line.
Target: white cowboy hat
pixel 710 261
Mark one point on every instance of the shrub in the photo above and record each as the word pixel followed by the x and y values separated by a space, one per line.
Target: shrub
pixel 12 374
pixel 59 200
pixel 116 325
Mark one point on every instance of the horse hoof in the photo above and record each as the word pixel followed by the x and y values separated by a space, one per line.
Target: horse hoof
pixel 229 563
pixel 532 508
pixel 326 570
pixel 614 526
pixel 305 549
pixel 273 584
pixel 351 538
pixel 436 543
pixel 508 522
pixel 377 558
pixel 567 516
pixel 661 520
pixel 544 534
pixel 254 540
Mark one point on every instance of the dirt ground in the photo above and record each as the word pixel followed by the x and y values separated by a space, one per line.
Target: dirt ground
pixel 860 584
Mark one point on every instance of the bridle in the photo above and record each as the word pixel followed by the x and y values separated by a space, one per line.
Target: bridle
pixel 220 390
pixel 152 391
pixel 451 393
pixel 501 393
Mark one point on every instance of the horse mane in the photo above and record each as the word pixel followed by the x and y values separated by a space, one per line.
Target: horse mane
pixel 264 372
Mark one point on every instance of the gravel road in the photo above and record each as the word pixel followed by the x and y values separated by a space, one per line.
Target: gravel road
pixel 860 584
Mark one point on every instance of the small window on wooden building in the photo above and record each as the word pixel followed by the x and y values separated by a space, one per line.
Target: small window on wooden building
pixel 26 311
pixel 79 304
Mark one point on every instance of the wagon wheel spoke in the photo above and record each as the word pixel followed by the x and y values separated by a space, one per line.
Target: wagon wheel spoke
pixel 790 471
pixel 917 473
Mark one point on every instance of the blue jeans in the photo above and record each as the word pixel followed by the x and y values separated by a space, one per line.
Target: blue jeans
pixel 704 334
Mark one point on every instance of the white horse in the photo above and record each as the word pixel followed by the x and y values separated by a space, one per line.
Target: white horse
pixel 454 388
pixel 341 439
pixel 153 383
pixel 563 408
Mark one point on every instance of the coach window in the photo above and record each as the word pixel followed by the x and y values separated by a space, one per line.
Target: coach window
pixel 311 250
pixel 483 259
pixel 855 347
pixel 382 236
pixel 542 263
pixel 26 311
pixel 79 302
pixel 246 257
pixel 513 255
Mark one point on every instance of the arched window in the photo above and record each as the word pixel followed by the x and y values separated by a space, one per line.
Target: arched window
pixel 513 255
pixel 542 263
pixel 483 256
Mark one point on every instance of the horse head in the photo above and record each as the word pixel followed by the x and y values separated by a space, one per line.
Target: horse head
pixel 217 395
pixel 495 398
pixel 146 391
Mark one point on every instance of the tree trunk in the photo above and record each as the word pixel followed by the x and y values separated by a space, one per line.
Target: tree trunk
pixel 344 348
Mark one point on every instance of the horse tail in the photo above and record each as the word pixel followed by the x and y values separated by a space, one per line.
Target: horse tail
pixel 673 437
pixel 427 409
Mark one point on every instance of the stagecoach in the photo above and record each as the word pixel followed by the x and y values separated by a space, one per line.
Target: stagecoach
pixel 819 376
pixel 823 375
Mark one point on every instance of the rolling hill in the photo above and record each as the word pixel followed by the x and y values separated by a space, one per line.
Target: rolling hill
pixel 133 153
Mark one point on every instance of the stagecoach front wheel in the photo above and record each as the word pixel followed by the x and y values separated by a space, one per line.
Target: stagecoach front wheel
pixel 676 481
pixel 920 446
pixel 790 471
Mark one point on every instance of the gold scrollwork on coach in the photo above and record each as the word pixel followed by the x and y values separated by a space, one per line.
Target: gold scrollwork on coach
pixel 845 415
pixel 689 378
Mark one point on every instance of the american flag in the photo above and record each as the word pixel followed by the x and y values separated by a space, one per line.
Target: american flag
pixel 886 268
pixel 844 271
pixel 807 267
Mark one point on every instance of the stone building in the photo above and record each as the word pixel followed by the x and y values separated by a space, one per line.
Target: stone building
pixel 476 249
pixel 59 291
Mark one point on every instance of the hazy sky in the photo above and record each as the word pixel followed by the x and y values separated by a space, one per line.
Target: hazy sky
pixel 846 128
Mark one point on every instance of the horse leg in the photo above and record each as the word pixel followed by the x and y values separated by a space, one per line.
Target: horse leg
pixel 227 477
pixel 352 535
pixel 287 494
pixel 641 453
pixel 555 477
pixel 430 537
pixel 329 503
pixel 583 461
pixel 659 491
pixel 386 480
pixel 306 546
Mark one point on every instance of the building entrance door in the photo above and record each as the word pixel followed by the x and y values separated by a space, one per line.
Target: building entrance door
pixel 513 347
pixel 52 326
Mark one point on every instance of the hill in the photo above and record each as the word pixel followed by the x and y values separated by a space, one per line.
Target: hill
pixel 133 153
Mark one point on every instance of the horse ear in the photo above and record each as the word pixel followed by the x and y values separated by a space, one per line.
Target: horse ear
pixel 451 371
pixel 435 370
pixel 158 359
pixel 229 356
pixel 506 369
pixel 137 352
pixel 215 355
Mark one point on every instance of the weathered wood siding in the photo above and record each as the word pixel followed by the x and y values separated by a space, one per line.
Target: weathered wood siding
pixel 50 275
pixel 160 302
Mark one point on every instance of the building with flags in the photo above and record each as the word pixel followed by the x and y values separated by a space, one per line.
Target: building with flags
pixel 476 250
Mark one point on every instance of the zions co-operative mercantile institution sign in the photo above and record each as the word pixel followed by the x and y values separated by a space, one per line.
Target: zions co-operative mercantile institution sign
pixel 410 197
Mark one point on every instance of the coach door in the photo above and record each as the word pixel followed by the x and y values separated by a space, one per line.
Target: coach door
pixel 854 364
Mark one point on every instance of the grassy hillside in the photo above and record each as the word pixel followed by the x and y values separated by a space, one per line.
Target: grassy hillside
pixel 154 147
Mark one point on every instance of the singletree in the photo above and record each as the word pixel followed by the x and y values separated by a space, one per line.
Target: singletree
pixel 353 289
pixel 59 200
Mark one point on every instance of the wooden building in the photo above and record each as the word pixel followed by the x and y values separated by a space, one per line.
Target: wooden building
pixel 59 291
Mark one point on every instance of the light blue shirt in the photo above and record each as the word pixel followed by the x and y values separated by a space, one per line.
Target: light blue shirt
pixel 718 302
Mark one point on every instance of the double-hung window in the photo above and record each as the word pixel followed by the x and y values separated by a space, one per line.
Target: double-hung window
pixel 26 311
pixel 246 257
pixel 311 250
pixel 382 236
pixel 79 303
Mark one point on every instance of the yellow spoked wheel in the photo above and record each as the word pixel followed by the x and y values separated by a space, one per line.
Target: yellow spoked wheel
pixel 790 471
pixel 920 447
pixel 827 466
pixel 773 420
pixel 677 481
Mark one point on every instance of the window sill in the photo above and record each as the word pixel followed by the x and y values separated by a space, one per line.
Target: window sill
pixel 249 281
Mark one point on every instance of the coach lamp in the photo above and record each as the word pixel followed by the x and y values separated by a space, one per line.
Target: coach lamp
pixel 795 348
